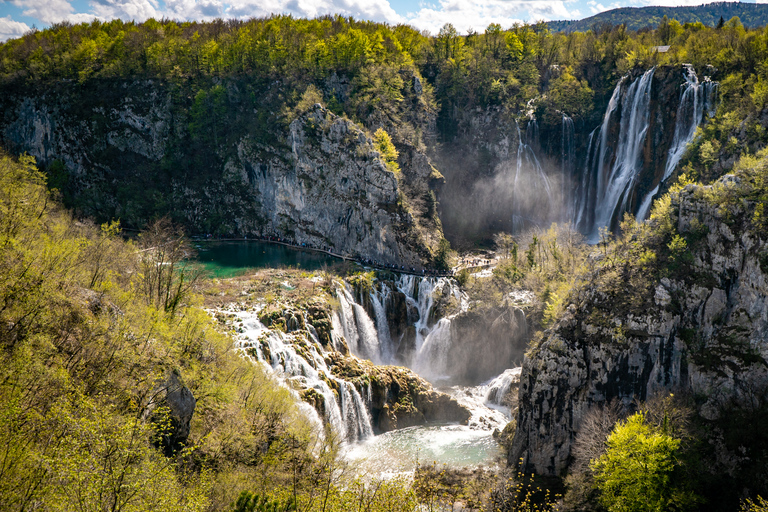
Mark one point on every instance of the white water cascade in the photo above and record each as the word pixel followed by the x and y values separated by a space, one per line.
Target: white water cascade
pixel 371 339
pixel 616 184
pixel 609 182
pixel 357 326
pixel 348 416
pixel 696 99
pixel 499 388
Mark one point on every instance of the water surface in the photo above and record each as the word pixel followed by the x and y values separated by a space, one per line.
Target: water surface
pixel 228 259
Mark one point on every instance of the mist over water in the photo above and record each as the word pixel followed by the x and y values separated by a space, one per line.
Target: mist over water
pixel 521 182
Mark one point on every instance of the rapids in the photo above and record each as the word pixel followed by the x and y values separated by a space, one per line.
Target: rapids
pixel 297 360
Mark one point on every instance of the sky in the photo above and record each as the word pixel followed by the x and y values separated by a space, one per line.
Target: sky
pixel 20 16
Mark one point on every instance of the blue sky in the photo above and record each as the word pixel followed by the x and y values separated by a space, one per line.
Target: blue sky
pixel 19 16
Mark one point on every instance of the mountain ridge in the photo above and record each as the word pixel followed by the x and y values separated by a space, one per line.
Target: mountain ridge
pixel 636 18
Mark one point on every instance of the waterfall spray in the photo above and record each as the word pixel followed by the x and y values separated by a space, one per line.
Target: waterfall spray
pixel 528 166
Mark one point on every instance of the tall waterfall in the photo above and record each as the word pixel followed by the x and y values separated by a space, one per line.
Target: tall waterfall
pixel 614 157
pixel 615 184
pixel 696 99
pixel 348 415
pixel 373 341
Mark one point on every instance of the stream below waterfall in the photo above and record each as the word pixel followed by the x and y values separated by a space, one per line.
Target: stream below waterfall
pixel 397 453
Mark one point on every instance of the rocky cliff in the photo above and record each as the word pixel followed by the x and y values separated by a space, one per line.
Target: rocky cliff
pixel 224 160
pixel 693 320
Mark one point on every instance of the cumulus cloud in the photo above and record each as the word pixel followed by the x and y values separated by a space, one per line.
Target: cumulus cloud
pixel 359 9
pixel 674 3
pixel 138 10
pixel 47 11
pixel 478 14
pixel 194 9
pixel 10 28
pixel 596 7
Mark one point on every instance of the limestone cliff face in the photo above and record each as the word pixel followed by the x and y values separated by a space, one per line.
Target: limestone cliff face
pixel 705 333
pixel 222 162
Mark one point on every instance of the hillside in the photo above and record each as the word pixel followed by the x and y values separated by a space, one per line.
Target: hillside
pixel 636 18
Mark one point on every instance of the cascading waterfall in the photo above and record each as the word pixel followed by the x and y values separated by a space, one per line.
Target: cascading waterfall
pixel 348 417
pixel 616 185
pixel 373 341
pixel 499 388
pixel 586 188
pixel 357 326
pixel 431 360
pixel 696 99
pixel 379 299
pixel 608 186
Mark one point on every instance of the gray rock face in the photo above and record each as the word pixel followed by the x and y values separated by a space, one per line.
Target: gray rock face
pixel 180 402
pixel 706 334
pixel 139 152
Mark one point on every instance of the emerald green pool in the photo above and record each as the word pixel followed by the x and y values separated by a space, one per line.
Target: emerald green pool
pixel 229 259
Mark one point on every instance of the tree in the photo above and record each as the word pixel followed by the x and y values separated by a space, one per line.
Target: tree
pixel 166 274
pixel 383 144
pixel 637 471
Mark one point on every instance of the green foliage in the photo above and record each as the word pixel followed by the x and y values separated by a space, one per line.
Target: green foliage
pixel 758 505
pixel 636 473
pixel 252 502
pixel 383 144
pixel 90 338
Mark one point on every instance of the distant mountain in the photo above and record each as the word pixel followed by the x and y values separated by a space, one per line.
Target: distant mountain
pixel 636 18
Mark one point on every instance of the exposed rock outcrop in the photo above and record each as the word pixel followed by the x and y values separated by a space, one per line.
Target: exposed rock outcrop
pixel 399 397
pixel 702 331
pixel 219 161
pixel 172 405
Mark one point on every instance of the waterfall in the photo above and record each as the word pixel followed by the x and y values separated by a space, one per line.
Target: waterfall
pixel 373 342
pixel 530 182
pixel 616 186
pixel 357 326
pixel 500 387
pixel 348 417
pixel 567 161
pixel 379 300
pixel 432 360
pixel 696 98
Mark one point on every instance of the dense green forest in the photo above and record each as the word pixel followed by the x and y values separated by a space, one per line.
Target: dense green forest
pixel 636 18
pixel 372 64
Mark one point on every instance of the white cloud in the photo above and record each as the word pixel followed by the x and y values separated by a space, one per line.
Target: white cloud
pixel 47 11
pixel 138 10
pixel 478 14
pixel 10 29
pixel 359 9
pixel 194 9
pixel 674 3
